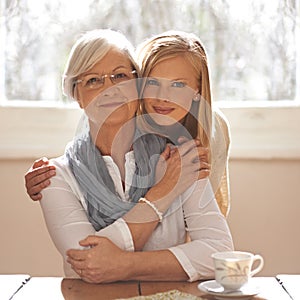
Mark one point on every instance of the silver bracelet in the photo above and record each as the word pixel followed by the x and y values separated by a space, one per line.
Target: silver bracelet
pixel 159 214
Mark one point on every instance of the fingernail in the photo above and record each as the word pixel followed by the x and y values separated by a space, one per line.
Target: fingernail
pixel 52 172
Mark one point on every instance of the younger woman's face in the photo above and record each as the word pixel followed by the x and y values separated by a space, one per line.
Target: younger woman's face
pixel 169 90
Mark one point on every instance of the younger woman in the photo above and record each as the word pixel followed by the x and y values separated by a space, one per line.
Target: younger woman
pixel 176 101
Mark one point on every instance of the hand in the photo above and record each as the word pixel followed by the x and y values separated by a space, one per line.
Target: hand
pixel 179 167
pixel 37 178
pixel 202 158
pixel 161 166
pixel 103 262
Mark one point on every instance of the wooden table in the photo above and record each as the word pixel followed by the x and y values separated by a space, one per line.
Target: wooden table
pixel 270 289
pixel 56 288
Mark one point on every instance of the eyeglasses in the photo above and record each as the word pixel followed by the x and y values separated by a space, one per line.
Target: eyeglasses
pixel 94 81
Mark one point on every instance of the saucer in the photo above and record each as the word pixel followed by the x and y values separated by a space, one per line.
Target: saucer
pixel 213 288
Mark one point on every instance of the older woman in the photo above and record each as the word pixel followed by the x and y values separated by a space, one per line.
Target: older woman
pixel 106 190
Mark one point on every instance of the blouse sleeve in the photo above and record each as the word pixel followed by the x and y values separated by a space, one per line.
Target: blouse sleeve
pixel 67 220
pixel 208 231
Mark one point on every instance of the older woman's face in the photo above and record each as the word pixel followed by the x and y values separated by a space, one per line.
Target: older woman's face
pixel 169 90
pixel 108 89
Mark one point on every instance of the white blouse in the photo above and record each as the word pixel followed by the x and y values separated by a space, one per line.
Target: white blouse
pixel 195 211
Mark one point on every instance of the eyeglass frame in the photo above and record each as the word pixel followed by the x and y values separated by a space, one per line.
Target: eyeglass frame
pixel 111 77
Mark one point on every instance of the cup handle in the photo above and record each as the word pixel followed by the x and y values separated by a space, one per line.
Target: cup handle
pixel 259 267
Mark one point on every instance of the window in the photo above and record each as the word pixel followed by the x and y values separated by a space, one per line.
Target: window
pixel 251 45
pixel 253 48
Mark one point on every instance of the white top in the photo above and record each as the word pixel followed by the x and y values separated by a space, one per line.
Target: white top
pixel 195 211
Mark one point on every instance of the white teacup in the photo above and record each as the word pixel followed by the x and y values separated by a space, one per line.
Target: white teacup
pixel 234 268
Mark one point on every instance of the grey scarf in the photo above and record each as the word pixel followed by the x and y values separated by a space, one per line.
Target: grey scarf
pixel 87 164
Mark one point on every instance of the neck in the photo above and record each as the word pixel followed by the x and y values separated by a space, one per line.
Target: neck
pixel 115 140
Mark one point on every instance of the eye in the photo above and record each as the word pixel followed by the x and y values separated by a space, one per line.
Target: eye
pixel 152 82
pixel 120 76
pixel 93 81
pixel 178 84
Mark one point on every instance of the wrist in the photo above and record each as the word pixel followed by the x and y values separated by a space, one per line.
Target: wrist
pixel 153 207
pixel 130 265
pixel 157 192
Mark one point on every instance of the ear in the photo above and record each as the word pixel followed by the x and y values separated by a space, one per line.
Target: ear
pixel 77 97
pixel 79 102
pixel 197 97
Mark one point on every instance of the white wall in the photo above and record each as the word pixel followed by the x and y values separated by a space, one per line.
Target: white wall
pixel 25 243
pixel 265 207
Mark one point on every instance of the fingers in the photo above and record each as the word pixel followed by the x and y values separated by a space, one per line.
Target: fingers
pixel 203 152
pixel 83 273
pixel 40 162
pixel 194 157
pixel 35 171
pixel 202 165
pixel 78 260
pixel 195 150
pixel 91 241
pixel 35 197
pixel 203 173
pixel 34 191
pixel 188 146
pixel 76 263
pixel 78 266
pixel 77 255
pixel 36 179
pixel 182 139
pixel 166 153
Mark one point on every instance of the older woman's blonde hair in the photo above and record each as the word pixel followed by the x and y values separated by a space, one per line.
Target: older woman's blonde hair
pixel 209 126
pixel 88 50
pixel 170 44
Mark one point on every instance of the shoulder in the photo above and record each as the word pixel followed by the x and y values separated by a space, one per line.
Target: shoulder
pixel 62 165
pixel 60 162
pixel 220 117
pixel 63 171
pixel 221 125
pixel 64 178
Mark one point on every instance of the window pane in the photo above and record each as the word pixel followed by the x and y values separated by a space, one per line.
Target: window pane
pixel 251 45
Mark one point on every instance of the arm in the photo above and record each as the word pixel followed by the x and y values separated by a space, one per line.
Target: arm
pixel 105 262
pixel 141 220
pixel 67 221
pixel 209 232
pixel 181 167
pixel 66 218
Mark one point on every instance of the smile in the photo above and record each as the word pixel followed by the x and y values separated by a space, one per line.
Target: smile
pixel 111 104
pixel 163 110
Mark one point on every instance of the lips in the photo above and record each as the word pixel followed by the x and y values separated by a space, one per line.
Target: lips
pixel 163 110
pixel 109 103
pixel 115 104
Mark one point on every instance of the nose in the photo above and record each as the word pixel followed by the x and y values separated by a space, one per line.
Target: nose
pixel 110 89
pixel 163 93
